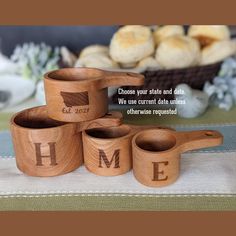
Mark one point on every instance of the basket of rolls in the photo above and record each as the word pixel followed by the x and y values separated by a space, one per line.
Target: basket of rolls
pixel 167 56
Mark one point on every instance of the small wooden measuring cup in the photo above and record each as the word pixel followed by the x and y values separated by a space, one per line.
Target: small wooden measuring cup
pixel 81 94
pixel 156 153
pixel 108 151
pixel 45 147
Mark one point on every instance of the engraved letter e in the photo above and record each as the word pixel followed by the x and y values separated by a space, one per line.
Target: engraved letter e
pixel 157 173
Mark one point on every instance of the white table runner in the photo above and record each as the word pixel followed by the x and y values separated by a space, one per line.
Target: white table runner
pixel 201 174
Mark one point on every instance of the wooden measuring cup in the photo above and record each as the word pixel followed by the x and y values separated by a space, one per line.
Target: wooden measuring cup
pixel 108 150
pixel 81 94
pixel 45 147
pixel 156 153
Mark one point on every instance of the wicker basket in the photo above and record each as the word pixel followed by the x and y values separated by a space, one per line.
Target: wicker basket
pixel 167 79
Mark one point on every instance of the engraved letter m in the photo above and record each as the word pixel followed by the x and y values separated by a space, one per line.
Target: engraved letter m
pixel 115 157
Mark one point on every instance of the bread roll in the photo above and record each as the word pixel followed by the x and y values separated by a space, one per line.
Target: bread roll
pixel 148 62
pixel 178 52
pixel 206 34
pixel 166 31
pixel 96 60
pixel 68 58
pixel 218 51
pixel 128 65
pixel 95 48
pixel 131 43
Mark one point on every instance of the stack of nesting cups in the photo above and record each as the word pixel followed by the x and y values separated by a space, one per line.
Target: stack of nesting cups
pixel 48 139
pixel 75 127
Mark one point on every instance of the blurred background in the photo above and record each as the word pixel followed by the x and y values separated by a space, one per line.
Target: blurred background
pixel 24 43
pixel 27 52
pixel 73 37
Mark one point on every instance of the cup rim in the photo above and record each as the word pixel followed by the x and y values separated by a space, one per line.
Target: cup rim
pixel 95 78
pixel 13 123
pixel 110 138
pixel 170 132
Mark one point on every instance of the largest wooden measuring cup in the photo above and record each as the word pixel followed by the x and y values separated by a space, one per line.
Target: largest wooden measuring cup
pixel 81 94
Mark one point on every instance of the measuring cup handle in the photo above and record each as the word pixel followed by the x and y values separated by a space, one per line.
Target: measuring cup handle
pixel 198 139
pixel 121 79
pixel 111 119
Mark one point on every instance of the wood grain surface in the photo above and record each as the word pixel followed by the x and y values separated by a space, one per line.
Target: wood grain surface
pixel 108 151
pixel 81 94
pixel 156 153
pixel 45 147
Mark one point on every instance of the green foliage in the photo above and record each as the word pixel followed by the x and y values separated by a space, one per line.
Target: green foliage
pixel 34 60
